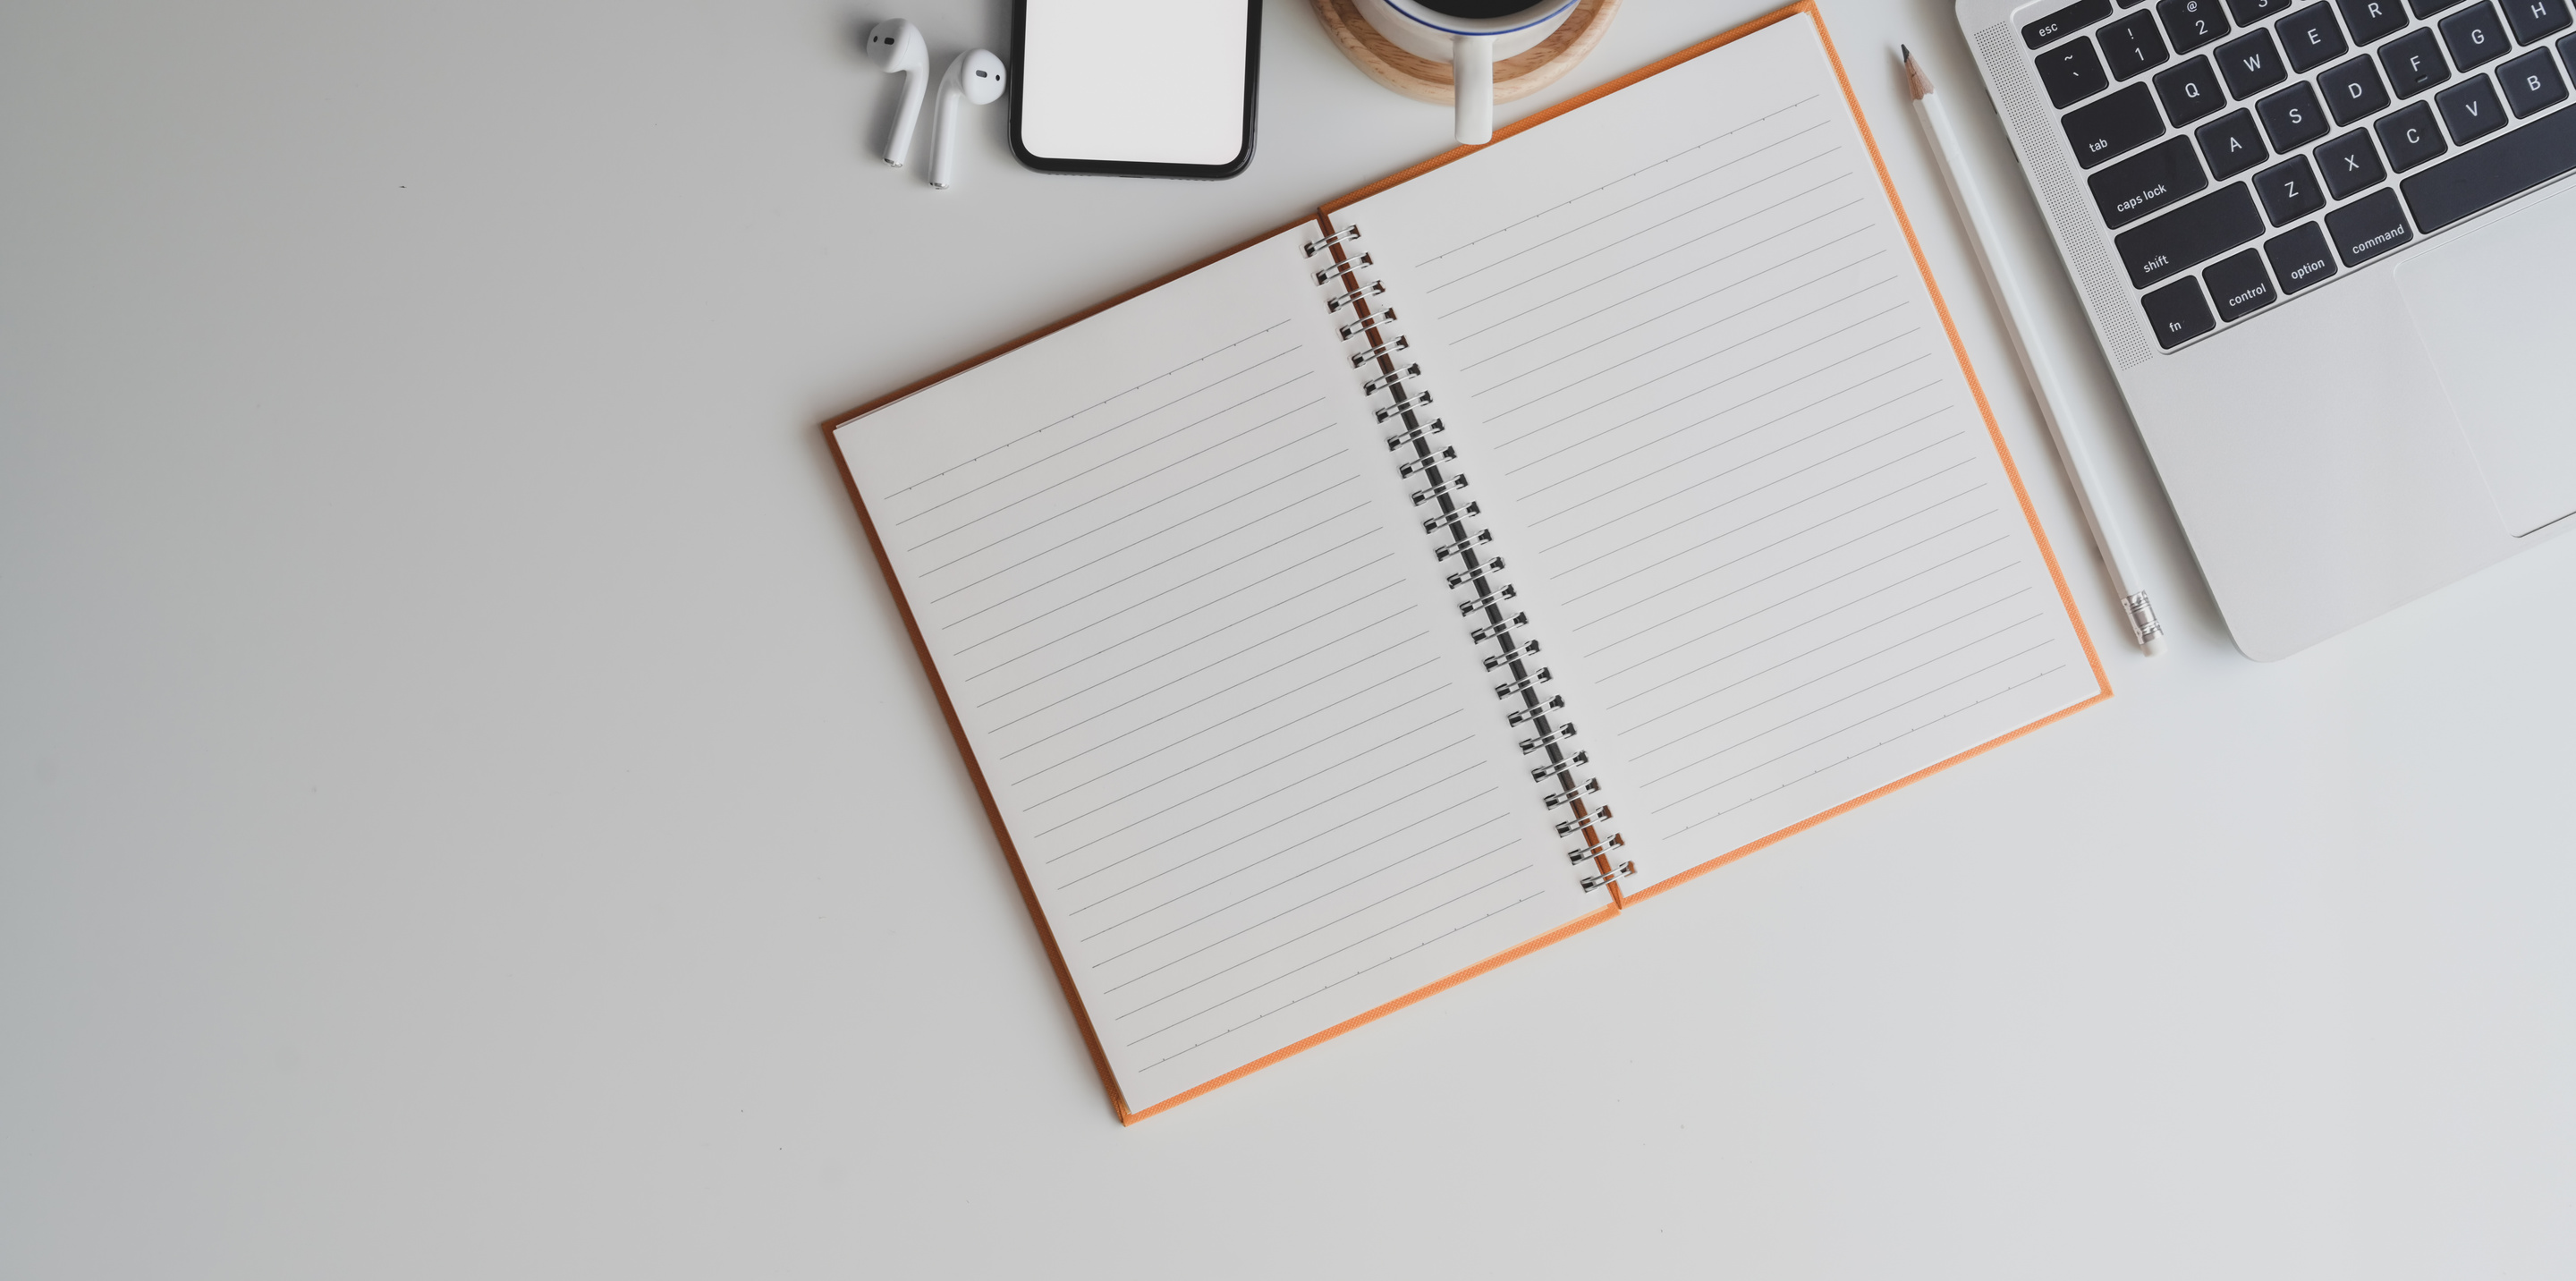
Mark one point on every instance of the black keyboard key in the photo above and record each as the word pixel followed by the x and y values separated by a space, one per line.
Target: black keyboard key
pixel 2114 126
pixel 2251 64
pixel 2293 117
pixel 2299 258
pixel 2427 8
pixel 2476 36
pixel 2368 227
pixel 2249 12
pixel 2232 144
pixel 2310 37
pixel 2190 91
pixel 2372 20
pixel 2532 82
pixel 2470 110
pixel 2482 177
pixel 2409 136
pixel 2178 313
pixel 2147 183
pixel 2414 63
pixel 2071 73
pixel 2158 251
pixel 2352 90
pixel 2239 286
pixel 2533 19
pixel 2132 45
pixel 2191 23
pixel 2057 26
pixel 2350 164
pixel 2289 191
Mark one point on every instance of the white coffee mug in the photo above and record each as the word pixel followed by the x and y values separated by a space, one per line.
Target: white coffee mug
pixel 1470 45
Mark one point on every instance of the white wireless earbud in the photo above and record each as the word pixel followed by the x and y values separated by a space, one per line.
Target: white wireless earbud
pixel 976 77
pixel 895 45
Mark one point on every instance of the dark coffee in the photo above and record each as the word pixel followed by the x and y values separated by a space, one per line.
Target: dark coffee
pixel 1478 8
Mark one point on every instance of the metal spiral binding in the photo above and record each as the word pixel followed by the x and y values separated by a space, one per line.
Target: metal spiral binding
pixel 1435 484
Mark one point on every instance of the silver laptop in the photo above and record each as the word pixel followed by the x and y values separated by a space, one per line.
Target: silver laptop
pixel 2327 248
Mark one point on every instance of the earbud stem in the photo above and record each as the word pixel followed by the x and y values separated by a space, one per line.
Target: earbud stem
pixel 899 143
pixel 943 125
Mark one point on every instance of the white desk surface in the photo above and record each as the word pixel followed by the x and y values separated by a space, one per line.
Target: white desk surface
pixel 468 806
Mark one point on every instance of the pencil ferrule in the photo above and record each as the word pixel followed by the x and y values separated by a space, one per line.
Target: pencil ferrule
pixel 2142 617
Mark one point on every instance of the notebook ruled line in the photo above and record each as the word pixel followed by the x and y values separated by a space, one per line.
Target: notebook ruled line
pixel 1106 431
pixel 1737 283
pixel 1846 697
pixel 1289 755
pixel 1134 574
pixel 1756 305
pixel 1213 913
pixel 1375 871
pixel 1830 674
pixel 1159 657
pixel 2032 679
pixel 1548 305
pixel 1371 812
pixel 1741 619
pixel 1185 459
pixel 1311 713
pixel 1784 508
pixel 1773 390
pixel 1754 123
pixel 1008 444
pixel 1355 756
pixel 1363 971
pixel 1337 951
pixel 1222 878
pixel 1122 611
pixel 1693 488
pixel 1362 628
pixel 1616 241
pixel 1290 692
pixel 1207 511
pixel 1276 602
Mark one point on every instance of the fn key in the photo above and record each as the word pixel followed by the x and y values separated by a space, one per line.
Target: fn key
pixel 2179 313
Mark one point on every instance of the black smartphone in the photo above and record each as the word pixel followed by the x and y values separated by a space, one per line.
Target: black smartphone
pixel 1151 88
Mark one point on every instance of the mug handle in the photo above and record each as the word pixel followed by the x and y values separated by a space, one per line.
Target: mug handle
pixel 1471 70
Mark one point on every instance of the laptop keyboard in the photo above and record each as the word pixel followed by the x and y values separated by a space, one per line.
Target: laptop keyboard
pixel 2243 151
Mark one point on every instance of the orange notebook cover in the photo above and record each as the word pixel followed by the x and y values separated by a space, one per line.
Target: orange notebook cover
pixel 1399 592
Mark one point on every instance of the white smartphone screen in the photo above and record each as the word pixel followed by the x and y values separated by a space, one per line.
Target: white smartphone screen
pixel 1135 81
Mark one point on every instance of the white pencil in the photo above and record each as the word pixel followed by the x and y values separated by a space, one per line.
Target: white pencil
pixel 2035 365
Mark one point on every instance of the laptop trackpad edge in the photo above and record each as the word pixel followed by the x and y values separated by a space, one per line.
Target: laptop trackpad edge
pixel 2492 309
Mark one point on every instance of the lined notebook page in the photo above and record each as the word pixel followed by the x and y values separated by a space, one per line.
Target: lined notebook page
pixel 1726 438
pixel 1235 728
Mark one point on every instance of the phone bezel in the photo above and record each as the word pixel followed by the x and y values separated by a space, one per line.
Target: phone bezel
pixel 1140 168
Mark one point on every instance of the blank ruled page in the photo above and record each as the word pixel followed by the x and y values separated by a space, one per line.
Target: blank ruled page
pixel 1727 440
pixel 1235 728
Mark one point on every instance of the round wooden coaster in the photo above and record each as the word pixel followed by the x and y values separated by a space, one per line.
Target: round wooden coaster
pixel 1426 81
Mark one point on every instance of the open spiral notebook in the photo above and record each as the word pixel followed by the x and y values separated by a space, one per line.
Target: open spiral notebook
pixel 1523 535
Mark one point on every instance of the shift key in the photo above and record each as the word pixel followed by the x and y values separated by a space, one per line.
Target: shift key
pixel 2189 236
